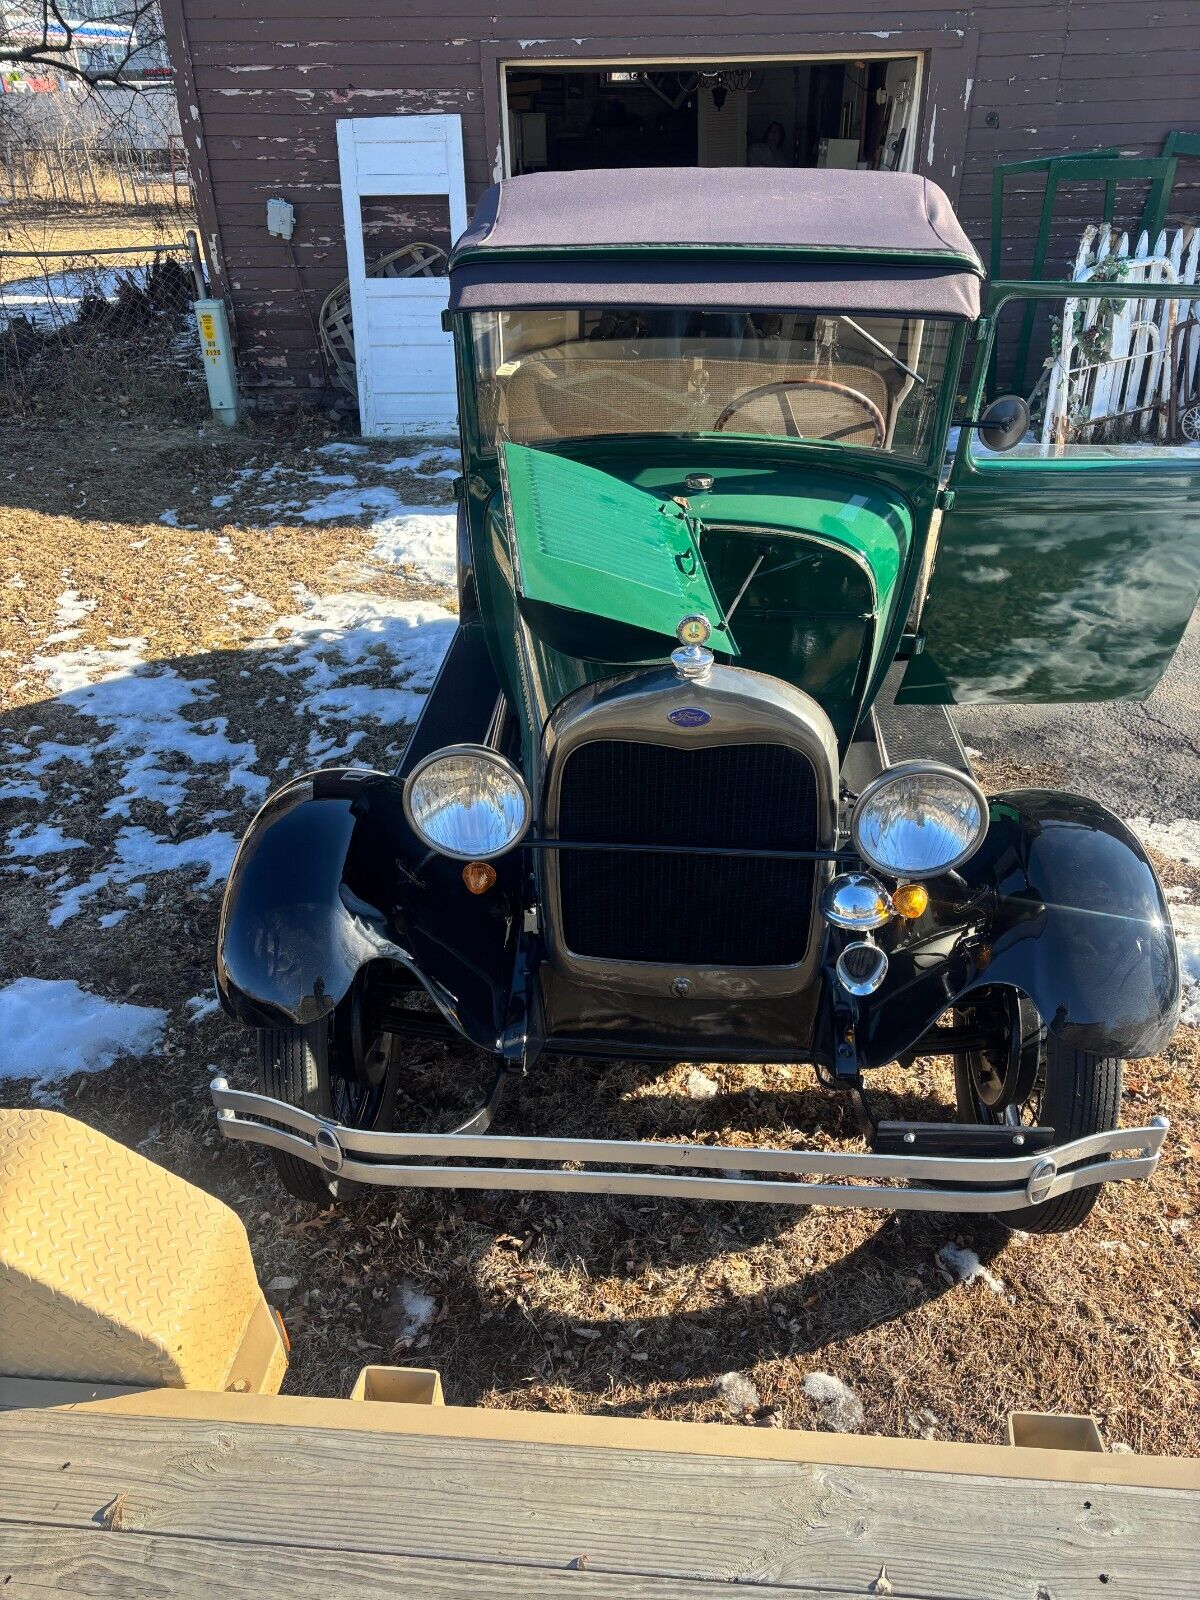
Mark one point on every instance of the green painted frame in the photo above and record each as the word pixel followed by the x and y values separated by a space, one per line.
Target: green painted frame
pixel 1105 166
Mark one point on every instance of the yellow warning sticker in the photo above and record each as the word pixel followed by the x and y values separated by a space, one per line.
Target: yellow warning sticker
pixel 208 325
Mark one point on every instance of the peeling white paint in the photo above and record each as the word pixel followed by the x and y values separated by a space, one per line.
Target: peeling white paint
pixel 881 33
pixel 195 113
pixel 932 130
pixel 967 93
pixel 498 163
pixel 235 94
pixel 528 44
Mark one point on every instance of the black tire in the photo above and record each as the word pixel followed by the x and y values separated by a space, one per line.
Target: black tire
pixel 1076 1093
pixel 324 1067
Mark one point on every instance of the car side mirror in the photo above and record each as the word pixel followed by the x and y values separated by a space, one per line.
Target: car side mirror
pixel 1004 422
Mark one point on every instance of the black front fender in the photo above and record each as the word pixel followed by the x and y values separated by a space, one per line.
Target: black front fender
pixel 295 925
pixel 1060 903
pixel 328 878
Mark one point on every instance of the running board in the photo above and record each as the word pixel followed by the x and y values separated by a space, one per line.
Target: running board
pixel 980 1183
pixel 914 733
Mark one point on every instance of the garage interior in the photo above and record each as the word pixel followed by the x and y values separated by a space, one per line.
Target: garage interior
pixel 817 113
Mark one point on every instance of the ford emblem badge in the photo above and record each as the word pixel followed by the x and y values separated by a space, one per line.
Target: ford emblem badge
pixel 689 717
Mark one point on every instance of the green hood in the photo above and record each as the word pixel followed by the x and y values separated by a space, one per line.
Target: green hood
pixel 797 570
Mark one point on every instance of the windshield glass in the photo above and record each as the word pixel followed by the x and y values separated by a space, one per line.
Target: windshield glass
pixel 873 382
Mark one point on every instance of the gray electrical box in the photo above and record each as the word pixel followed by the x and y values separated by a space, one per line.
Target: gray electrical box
pixel 281 218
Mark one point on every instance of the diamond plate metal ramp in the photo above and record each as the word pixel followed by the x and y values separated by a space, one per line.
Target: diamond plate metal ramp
pixel 115 1271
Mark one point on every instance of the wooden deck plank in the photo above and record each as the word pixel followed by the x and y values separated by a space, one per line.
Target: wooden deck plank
pixel 116 1566
pixel 628 1511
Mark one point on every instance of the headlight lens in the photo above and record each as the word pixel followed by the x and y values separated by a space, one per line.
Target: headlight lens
pixel 917 820
pixel 467 802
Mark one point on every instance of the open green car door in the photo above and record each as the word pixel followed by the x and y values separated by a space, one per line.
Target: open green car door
pixel 588 542
pixel 1059 577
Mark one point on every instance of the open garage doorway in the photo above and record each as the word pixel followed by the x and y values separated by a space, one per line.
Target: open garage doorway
pixel 859 112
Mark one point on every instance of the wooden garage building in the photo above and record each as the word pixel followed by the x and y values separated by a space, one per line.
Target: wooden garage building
pixel 931 86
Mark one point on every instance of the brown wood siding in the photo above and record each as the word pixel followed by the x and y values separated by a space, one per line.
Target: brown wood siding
pixel 263 83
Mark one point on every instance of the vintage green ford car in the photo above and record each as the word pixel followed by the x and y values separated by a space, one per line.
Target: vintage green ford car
pixel 686 788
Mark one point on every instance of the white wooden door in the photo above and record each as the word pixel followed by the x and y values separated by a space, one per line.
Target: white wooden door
pixel 404 362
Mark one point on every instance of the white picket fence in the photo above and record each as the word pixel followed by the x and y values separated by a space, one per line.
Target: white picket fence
pixel 1125 395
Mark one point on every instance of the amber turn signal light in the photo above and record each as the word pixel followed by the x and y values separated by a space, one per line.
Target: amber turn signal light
pixel 478 876
pixel 910 900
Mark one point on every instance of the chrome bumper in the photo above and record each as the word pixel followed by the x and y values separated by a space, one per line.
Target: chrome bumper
pixel 982 1184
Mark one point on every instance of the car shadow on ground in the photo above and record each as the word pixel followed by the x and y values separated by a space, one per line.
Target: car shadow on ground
pixel 608 1249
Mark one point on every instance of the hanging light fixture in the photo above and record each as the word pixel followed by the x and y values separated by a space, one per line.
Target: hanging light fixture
pixel 726 79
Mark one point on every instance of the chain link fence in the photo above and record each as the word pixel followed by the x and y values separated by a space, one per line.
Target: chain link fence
pixel 99 333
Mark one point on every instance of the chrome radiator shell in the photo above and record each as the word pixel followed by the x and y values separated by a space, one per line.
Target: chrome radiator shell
pixel 730 707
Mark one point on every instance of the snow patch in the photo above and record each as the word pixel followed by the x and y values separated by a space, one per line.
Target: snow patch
pixel 421 537
pixel 54 299
pixel 70 610
pixel 139 852
pixel 143 708
pixel 841 1409
pixel 343 504
pixel 201 1006
pixel 699 1085
pixel 45 840
pixel 336 637
pixel 413 1310
pixel 49 1028
pixel 66 670
pixel 24 789
pixel 431 466
pixel 1179 839
pixel 425 540
pixel 738 1393
pixel 1186 919
pixel 964 1266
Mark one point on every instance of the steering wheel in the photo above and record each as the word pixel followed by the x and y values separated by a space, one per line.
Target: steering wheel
pixel 783 387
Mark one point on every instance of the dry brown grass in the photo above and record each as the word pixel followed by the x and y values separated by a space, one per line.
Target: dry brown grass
pixel 626 1306
pixel 112 225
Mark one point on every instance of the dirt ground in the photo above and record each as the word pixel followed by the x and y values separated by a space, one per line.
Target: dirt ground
pixel 630 1307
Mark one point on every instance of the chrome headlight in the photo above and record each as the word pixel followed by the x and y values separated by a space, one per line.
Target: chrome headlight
pixel 467 801
pixel 918 819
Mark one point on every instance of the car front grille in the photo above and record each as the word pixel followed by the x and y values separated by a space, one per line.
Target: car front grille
pixel 680 909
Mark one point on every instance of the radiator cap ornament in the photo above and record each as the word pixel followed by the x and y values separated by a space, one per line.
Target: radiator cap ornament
pixel 693 660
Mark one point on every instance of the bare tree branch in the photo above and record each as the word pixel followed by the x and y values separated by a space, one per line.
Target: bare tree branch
pixel 98 43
